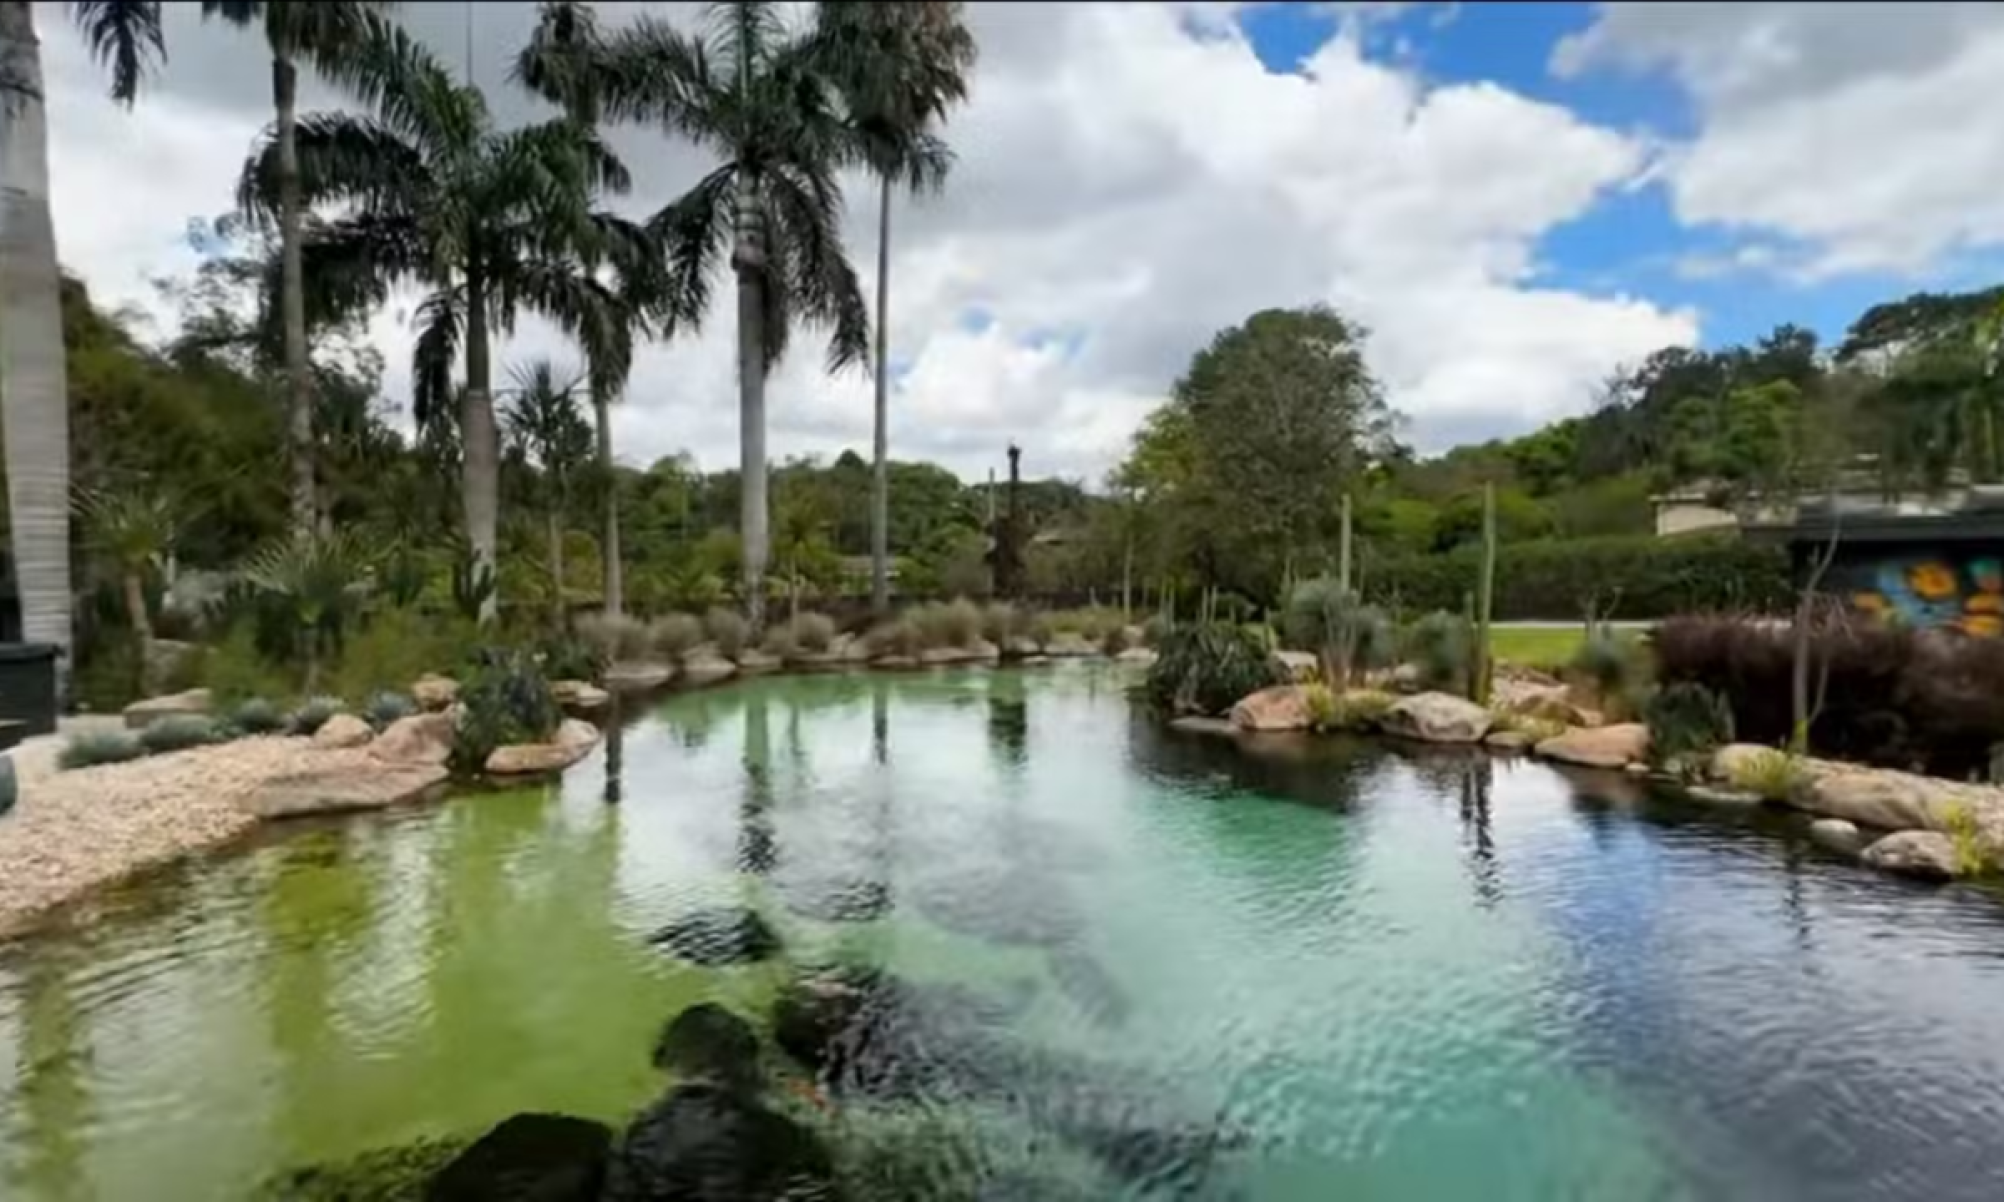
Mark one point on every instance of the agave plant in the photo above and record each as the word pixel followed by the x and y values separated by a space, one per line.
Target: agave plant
pixel 321 579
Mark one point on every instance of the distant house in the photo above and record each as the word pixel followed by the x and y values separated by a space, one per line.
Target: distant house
pixel 1709 505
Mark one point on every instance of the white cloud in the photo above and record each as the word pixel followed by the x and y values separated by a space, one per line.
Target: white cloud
pixel 1856 130
pixel 1131 179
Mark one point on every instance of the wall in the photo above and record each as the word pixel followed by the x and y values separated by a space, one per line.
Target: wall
pixel 1962 587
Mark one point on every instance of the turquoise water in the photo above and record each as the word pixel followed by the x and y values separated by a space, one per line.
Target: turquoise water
pixel 1354 970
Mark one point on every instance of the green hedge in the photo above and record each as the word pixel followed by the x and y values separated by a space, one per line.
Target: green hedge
pixel 1642 577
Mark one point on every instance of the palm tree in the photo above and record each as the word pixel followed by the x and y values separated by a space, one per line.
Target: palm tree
pixel 135 530
pixel 901 66
pixel 759 94
pixel 34 389
pixel 542 417
pixel 487 222
pixel 332 35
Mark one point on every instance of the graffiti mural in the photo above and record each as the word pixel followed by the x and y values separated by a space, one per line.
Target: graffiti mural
pixel 1965 591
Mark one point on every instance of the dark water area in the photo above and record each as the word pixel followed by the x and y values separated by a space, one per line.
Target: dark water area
pixel 1070 954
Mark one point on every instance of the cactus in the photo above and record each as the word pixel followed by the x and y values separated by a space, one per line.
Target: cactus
pixel 1485 665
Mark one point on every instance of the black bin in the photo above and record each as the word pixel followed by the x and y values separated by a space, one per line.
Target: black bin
pixel 27 689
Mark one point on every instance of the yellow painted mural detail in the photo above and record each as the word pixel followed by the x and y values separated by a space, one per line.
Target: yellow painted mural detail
pixel 1934 591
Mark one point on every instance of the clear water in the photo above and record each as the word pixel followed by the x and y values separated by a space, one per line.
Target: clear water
pixel 1382 975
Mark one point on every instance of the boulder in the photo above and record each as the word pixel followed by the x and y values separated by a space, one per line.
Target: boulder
pixel 1070 644
pixel 1713 795
pixel 638 674
pixel 753 662
pixel 837 899
pixel 1302 666
pixel 979 651
pixel 1548 702
pixel 1139 657
pixel 894 663
pixel 1277 707
pixel 1406 678
pixel 707 668
pixel 1837 835
pixel 709 1043
pixel 340 790
pixel 573 741
pixel 718 936
pixel 705 1143
pixel 433 692
pixel 1196 724
pixel 1615 746
pixel 417 739
pixel 173 705
pixel 579 695
pixel 1436 718
pixel 341 731
pixel 1892 801
pixel 848 649
pixel 1018 646
pixel 1507 740
pixel 528 1158
pixel 1924 855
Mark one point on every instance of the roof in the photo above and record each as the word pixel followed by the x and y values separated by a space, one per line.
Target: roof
pixel 1970 527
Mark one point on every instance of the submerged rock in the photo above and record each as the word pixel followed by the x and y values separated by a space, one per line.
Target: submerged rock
pixel 528 1158
pixel 1090 987
pixel 636 675
pixel 573 741
pixel 396 1174
pixel 704 668
pixel 1437 718
pixel 1923 855
pixel 717 937
pixel 848 899
pixel 709 1043
pixel 339 790
pixel 1014 905
pixel 703 1143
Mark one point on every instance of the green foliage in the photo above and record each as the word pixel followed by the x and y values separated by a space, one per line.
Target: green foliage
pixel 1613 665
pixel 618 637
pixel 1117 639
pixel 393 647
pixel 673 636
pixel 1156 628
pixel 1001 622
pixel 313 713
pixel 178 733
pixel 728 630
pixel 1643 577
pixel 472 585
pixel 386 707
pixel 258 716
pixel 1532 727
pixel 1958 822
pixel 235 670
pixel 812 633
pixel 899 637
pixel 1348 635
pixel 570 657
pixel 1089 624
pixel 1771 774
pixel 1320 701
pixel 956 623
pixel 1204 668
pixel 1442 646
pixel 1352 710
pixel 99 747
pixel 1686 723
pixel 504 700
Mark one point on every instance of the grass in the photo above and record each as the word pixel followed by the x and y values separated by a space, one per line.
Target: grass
pixel 1772 775
pixel 1548 648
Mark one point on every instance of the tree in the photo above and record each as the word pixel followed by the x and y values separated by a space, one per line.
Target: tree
pixel 34 390
pixel 757 93
pixel 488 222
pixel 134 529
pixel 900 67
pixel 334 36
pixel 542 417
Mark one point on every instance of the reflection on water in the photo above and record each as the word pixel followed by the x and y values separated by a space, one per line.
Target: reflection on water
pixel 1119 963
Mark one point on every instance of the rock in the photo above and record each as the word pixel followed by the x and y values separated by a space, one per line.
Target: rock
pixel 894 663
pixel 638 674
pixel 1712 795
pixel 702 1143
pixel 1406 678
pixel 1437 718
pixel 342 730
pixel 709 1043
pixel 815 661
pixel 1924 855
pixel 753 662
pixel 848 649
pixel 1549 702
pixel 433 692
pixel 1069 644
pixel 1194 724
pixel 338 790
pixel 144 713
pixel 1615 746
pixel 1507 740
pixel 1018 646
pixel 1302 666
pixel 1090 987
pixel 579 695
pixel 701 669
pixel 851 899
pixel 717 937
pixel 977 652
pixel 417 739
pixel 573 741
pixel 1021 904
pixel 1837 835
pixel 1636 768
pixel 1139 657
pixel 1278 707
pixel 528 1158
pixel 1890 801
pixel 380 1174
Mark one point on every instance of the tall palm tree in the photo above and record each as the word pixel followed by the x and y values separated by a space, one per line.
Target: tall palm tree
pixel 542 417
pixel 333 36
pixel 486 222
pixel 34 388
pixel 900 67
pixel 758 93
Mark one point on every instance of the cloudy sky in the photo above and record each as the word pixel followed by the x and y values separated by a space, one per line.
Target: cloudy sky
pixel 1515 199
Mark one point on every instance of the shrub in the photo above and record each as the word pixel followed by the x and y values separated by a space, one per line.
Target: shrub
pixel 313 713
pixel 1089 624
pixel 1040 630
pixel 672 636
pixel 813 633
pixel 1001 621
pixel 504 700
pixel 618 637
pixel 778 641
pixel 1532 727
pixel 570 657
pixel 1115 641
pixel 897 637
pixel 386 707
pixel 396 646
pixel 1958 821
pixel 955 624
pixel 1771 775
pixel 178 733
pixel 1320 700
pixel 258 716
pixel 1333 622
pixel 728 630
pixel 236 670
pixel 99 747
pixel 1903 698
pixel 1686 722
pixel 1442 647
pixel 1156 628
pixel 1362 709
pixel 1204 668
pixel 1613 666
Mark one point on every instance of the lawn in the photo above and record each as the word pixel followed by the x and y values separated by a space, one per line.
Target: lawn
pixel 1548 647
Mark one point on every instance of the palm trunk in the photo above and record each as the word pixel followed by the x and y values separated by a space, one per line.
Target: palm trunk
pixel 880 478
pixel 34 389
pixel 142 628
pixel 480 452
pixel 292 296
pixel 556 567
pixel 751 427
pixel 615 598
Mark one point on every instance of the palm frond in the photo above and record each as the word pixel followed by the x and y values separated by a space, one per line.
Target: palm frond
pixel 441 321
pixel 558 62
pixel 693 233
pixel 344 158
pixel 124 35
pixel 805 215
pixel 367 54
pixel 649 71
